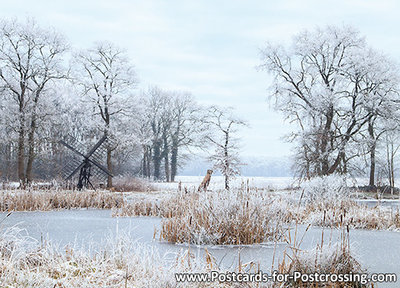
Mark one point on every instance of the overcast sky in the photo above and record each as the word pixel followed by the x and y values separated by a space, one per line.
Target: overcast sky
pixel 211 48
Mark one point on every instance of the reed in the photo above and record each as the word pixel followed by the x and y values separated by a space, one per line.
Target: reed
pixel 326 258
pixel 132 184
pixel 118 262
pixel 218 218
pixel 252 216
pixel 45 200
pixel 352 214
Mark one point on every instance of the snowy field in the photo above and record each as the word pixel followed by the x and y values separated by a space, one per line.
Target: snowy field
pixel 266 183
pixel 217 182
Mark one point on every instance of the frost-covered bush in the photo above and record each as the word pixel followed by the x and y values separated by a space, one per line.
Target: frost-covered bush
pixel 326 188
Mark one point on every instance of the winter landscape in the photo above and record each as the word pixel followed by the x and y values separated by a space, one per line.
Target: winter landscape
pixel 199 144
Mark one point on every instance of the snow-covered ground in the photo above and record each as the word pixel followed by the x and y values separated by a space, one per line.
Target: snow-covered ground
pixel 267 183
pixel 217 182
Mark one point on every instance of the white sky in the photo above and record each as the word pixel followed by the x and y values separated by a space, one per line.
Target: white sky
pixel 210 47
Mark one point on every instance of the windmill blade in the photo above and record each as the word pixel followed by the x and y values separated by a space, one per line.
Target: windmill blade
pixel 68 168
pixel 98 174
pixel 71 148
pixel 75 171
pixel 104 169
pixel 74 142
pixel 95 147
pixel 99 154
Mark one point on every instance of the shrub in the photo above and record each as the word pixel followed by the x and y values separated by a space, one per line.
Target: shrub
pixel 326 188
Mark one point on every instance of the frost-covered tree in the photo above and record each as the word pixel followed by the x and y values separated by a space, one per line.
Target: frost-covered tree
pixel 31 60
pixel 376 78
pixel 107 78
pixel 156 113
pixel 332 85
pixel 170 126
pixel 186 127
pixel 222 126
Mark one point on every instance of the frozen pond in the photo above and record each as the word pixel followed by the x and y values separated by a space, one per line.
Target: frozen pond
pixel 394 203
pixel 377 250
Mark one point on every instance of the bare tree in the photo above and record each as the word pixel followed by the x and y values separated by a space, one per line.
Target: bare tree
pixel 30 60
pixel 223 126
pixel 172 123
pixel 186 127
pixel 325 83
pixel 156 110
pixel 107 80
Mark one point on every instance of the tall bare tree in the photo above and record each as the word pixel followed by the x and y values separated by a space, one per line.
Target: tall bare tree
pixel 325 82
pixel 187 126
pixel 30 60
pixel 107 80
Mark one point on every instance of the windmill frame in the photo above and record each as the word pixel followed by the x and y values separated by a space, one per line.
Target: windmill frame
pixel 85 166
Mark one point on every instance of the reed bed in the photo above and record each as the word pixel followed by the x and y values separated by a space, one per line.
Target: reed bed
pixel 352 214
pixel 45 200
pixel 130 184
pixel 219 218
pixel 326 258
pixel 252 216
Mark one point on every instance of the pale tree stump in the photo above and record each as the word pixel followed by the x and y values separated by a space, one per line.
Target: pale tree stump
pixel 206 181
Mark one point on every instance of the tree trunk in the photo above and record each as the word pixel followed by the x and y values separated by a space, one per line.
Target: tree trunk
pixel 344 161
pixel 325 138
pixel 174 160
pixel 372 154
pixel 372 166
pixel 109 167
pixel 21 148
pixel 388 162
pixel 335 164
pixel 107 120
pixel 226 164
pixel 31 146
pixel 157 160
pixel 31 156
pixel 148 161
pixel 392 168
pixel 144 164
pixel 166 159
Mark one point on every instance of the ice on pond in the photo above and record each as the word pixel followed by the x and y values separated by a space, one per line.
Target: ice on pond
pixel 376 250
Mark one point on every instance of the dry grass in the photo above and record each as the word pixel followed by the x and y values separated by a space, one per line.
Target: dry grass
pixel 45 200
pixel 121 263
pixel 117 263
pixel 326 258
pixel 352 214
pixel 220 217
pixel 252 216
pixel 131 184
